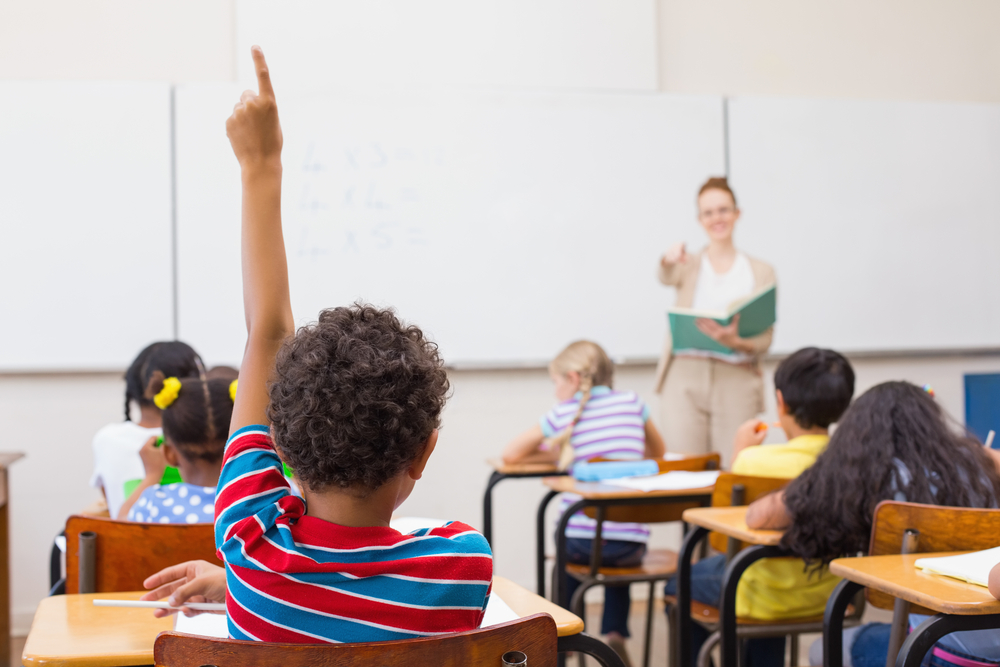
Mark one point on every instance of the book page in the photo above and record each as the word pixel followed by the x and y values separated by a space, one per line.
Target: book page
pixel 973 567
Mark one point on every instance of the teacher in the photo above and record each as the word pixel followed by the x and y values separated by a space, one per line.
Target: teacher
pixel 705 396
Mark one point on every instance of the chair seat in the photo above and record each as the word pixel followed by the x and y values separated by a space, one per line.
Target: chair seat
pixel 709 615
pixel 657 564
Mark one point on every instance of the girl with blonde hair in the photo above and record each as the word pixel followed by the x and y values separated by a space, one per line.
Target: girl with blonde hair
pixel 593 420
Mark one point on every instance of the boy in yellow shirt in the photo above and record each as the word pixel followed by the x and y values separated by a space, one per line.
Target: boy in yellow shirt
pixel 813 388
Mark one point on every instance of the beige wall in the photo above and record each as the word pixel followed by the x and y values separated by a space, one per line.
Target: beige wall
pixel 938 50
pixel 885 49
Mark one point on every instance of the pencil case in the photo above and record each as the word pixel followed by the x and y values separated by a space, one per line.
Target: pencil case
pixel 595 472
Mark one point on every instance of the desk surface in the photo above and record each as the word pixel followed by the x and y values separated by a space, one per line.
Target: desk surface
pixel 6 458
pixel 598 491
pixel 897 576
pixel 731 521
pixel 69 631
pixel 523 468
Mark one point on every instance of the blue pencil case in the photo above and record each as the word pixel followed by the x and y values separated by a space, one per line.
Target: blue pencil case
pixel 595 472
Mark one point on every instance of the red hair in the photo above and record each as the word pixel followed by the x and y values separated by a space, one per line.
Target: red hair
pixel 718 183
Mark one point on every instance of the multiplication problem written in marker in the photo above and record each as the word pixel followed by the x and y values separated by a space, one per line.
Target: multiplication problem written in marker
pixel 363 197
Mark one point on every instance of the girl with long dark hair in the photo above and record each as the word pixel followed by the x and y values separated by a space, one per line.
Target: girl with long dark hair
pixel 893 443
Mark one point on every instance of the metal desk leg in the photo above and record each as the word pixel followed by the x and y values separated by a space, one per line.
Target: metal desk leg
pixel 730 647
pixel 595 648
pixel 683 648
pixel 495 479
pixel 540 542
pixel 558 584
pixel 930 631
pixel 833 622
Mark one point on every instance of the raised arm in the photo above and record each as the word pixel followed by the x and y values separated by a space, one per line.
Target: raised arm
pixel 255 135
pixel 525 448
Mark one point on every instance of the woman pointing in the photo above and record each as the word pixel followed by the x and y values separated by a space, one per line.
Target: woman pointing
pixel 705 396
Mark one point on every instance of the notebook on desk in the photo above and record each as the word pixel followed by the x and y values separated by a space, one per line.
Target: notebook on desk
pixel 973 568
pixel 217 625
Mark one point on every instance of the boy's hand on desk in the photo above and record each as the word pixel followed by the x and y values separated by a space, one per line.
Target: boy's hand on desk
pixel 153 460
pixel 253 128
pixel 193 581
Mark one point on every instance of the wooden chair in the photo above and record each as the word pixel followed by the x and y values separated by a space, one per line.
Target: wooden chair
pixel 733 490
pixel 901 528
pixel 126 552
pixel 534 636
pixel 658 564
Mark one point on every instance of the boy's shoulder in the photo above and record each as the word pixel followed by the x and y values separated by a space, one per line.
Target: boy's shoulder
pixel 786 460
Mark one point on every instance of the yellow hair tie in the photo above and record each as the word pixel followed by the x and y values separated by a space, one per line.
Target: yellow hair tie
pixel 232 390
pixel 167 395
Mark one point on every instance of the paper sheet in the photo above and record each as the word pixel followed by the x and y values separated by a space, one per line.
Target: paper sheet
pixel 973 568
pixel 408 524
pixel 676 480
pixel 497 612
pixel 206 625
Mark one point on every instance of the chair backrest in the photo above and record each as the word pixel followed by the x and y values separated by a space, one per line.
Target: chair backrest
pixel 659 513
pixel 752 489
pixel 940 528
pixel 126 552
pixel 534 636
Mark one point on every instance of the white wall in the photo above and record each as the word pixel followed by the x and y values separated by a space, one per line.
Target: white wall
pixel 915 50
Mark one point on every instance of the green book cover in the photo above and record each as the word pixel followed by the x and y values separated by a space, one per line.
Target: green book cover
pixel 757 314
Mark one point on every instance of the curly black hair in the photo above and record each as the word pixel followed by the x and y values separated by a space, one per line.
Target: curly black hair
pixel 355 397
pixel 895 442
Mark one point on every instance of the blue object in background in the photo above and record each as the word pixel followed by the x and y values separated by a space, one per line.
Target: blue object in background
pixel 595 472
pixel 982 405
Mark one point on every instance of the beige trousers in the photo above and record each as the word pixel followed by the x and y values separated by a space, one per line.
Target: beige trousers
pixel 704 401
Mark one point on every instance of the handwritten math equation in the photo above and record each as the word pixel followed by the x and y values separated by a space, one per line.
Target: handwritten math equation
pixel 364 197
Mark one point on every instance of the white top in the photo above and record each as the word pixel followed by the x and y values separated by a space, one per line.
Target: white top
pixel 116 459
pixel 718 291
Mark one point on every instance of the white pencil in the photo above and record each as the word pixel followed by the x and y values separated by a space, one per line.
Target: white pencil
pixel 160 604
pixel 989 439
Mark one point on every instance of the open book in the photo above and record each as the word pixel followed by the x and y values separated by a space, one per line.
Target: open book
pixel 757 313
pixel 973 568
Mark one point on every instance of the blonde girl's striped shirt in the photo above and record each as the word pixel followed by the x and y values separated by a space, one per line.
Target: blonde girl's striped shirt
pixel 295 578
pixel 613 425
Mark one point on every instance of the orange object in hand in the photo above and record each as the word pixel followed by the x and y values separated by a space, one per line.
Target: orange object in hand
pixel 763 427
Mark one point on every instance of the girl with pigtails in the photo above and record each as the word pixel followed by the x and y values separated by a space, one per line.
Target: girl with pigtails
pixel 116 446
pixel 593 420
pixel 196 413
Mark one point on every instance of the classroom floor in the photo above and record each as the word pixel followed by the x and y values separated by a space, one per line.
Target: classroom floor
pixel 658 653
pixel 16 649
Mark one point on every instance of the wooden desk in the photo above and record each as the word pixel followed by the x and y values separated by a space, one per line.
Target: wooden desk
pixel 6 459
pixel 502 471
pixel 600 496
pixel 68 630
pixel 959 606
pixel 730 521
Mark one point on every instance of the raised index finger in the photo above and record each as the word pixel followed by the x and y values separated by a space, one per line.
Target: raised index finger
pixel 263 76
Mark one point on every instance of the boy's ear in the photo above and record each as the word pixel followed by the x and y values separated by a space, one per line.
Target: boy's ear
pixel 416 469
pixel 780 400
pixel 170 454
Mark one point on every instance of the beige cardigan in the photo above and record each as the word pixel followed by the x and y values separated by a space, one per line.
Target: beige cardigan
pixel 685 278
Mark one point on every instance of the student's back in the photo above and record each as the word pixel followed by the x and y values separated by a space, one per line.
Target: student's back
pixel 353 403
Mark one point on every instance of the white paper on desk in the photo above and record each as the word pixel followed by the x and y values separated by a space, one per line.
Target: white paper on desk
pixel 206 625
pixel 408 524
pixel 675 480
pixel 973 568
pixel 497 612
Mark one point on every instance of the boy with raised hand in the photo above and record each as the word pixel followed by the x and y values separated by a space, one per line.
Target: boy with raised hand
pixel 353 405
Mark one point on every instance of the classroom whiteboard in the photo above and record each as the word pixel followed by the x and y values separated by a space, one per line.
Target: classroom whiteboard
pixel 505 224
pixel 85 206
pixel 551 44
pixel 880 218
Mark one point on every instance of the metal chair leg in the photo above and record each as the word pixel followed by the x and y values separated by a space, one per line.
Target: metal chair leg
pixel 705 652
pixel 648 643
pixel 793 646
